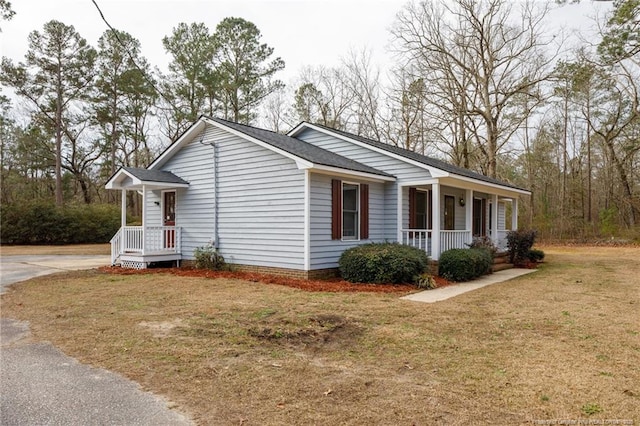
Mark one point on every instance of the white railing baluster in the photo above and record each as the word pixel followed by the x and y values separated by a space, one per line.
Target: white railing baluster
pixel 419 238
pixel 132 239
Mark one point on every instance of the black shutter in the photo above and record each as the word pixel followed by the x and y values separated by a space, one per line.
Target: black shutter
pixel 336 209
pixel 364 211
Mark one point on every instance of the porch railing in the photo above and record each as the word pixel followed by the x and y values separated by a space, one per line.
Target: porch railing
pixel 502 239
pixel 454 240
pixel 146 240
pixel 115 246
pixel 419 238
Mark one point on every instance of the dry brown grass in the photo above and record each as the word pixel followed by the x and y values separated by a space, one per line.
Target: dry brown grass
pixel 82 249
pixel 557 344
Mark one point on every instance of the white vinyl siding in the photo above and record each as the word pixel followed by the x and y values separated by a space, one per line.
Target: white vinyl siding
pixel 325 252
pixel 152 212
pixel 261 201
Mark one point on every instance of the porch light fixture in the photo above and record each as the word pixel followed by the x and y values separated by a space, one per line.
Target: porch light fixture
pixel 157 203
pixel 462 202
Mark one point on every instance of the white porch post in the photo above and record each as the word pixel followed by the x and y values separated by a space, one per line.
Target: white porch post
pixel 494 219
pixel 399 211
pixel 468 213
pixel 144 219
pixel 514 214
pixel 435 221
pixel 123 219
pixel 123 215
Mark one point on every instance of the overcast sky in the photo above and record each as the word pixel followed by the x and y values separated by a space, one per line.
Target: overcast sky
pixel 303 32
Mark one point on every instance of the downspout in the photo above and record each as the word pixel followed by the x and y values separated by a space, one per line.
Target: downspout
pixel 213 145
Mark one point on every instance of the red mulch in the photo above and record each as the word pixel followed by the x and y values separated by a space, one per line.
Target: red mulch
pixel 331 285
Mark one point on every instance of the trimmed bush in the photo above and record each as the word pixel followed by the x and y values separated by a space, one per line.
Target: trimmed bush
pixel 207 257
pixel 519 243
pixel 382 263
pixel 44 223
pixel 535 255
pixel 464 264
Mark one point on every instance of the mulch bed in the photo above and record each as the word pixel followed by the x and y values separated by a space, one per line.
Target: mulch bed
pixel 330 285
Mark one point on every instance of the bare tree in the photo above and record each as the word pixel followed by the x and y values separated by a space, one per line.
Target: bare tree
pixel 324 96
pixel 480 56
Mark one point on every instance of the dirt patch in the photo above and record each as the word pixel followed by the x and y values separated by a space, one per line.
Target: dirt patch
pixel 321 332
pixel 161 328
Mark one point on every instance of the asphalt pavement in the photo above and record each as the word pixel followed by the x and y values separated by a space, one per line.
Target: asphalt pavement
pixel 40 385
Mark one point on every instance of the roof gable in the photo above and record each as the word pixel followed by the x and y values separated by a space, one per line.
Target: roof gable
pixel 404 154
pixel 306 155
pixel 300 149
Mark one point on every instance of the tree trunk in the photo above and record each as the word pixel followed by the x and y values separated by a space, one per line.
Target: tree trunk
pixel 58 150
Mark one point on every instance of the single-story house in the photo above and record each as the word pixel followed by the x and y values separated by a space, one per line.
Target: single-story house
pixel 293 203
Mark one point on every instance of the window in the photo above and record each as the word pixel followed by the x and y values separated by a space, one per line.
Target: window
pixel 350 211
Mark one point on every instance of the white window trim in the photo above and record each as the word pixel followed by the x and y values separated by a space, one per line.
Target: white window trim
pixel 358 208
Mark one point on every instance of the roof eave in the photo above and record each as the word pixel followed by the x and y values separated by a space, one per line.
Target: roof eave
pixel 504 189
pixel 319 168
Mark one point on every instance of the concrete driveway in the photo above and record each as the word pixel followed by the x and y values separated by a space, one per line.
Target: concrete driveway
pixel 40 385
pixel 14 269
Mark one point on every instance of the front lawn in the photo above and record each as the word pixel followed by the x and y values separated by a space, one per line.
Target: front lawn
pixel 561 343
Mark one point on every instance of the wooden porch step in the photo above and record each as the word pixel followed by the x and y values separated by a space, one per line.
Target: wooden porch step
pixel 500 258
pixel 501 266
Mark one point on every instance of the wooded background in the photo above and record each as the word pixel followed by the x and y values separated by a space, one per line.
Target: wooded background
pixel 479 83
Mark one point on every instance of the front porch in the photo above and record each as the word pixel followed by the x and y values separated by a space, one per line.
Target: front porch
pixel 440 214
pixel 158 239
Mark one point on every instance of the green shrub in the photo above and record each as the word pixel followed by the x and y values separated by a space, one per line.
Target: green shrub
pixel 43 223
pixel 382 263
pixel 535 255
pixel 426 281
pixel 519 243
pixel 464 264
pixel 207 257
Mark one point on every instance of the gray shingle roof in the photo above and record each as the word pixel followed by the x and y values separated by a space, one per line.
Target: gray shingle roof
pixel 429 161
pixel 301 149
pixel 154 175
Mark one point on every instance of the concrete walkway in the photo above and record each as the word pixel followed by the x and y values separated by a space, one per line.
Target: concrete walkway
pixel 444 293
